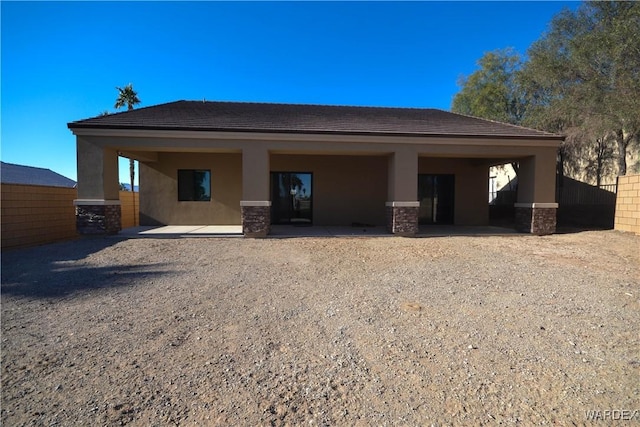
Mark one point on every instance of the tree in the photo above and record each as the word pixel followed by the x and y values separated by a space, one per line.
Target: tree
pixel 493 91
pixel 584 74
pixel 129 98
pixel 600 162
pixel 126 97
pixel 592 151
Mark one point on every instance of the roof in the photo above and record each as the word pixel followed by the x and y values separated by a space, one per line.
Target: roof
pixel 305 118
pixel 29 175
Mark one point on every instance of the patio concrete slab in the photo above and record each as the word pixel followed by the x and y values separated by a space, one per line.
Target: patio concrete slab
pixel 218 229
pixel 183 230
pixel 285 231
pixel 172 229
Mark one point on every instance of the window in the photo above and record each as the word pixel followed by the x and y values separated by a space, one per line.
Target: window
pixel 194 185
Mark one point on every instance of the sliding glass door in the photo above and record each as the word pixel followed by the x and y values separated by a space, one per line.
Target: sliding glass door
pixel 436 196
pixel 291 198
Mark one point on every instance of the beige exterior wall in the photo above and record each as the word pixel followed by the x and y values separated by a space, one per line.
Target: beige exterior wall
pixel 403 175
pixel 471 205
pixel 35 215
pixel 97 171
pixel 255 174
pixel 346 189
pixel 537 178
pixel 354 175
pixel 159 189
pixel 627 217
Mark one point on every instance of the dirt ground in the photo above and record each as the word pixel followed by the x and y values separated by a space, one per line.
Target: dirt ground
pixel 510 330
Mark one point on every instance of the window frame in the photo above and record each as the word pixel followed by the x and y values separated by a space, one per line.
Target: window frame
pixel 193 191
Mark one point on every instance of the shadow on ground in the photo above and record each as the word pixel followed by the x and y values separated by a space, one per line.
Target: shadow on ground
pixel 58 270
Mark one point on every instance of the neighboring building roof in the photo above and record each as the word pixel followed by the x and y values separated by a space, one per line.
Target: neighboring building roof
pixel 301 118
pixel 29 175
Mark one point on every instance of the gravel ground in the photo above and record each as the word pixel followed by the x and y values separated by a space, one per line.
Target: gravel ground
pixel 323 331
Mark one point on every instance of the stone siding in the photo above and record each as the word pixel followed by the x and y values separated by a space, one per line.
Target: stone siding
pixel 256 220
pixel 540 221
pixel 402 221
pixel 98 219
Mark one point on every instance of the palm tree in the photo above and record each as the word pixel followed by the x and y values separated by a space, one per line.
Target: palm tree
pixel 129 97
pixel 126 96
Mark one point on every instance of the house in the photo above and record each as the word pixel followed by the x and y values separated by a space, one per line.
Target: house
pixel 258 164
pixel 28 175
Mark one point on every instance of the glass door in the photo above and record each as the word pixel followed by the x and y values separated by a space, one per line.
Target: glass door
pixel 436 196
pixel 291 198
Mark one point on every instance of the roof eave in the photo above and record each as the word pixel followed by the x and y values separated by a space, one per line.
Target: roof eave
pixel 75 125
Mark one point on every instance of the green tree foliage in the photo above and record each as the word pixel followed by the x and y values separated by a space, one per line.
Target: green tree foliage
pixel 126 97
pixel 493 91
pixel 582 78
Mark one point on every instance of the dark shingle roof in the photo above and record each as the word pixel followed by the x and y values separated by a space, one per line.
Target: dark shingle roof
pixel 29 175
pixel 302 118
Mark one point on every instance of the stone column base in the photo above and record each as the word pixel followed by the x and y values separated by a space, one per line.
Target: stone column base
pixel 402 218
pixel 536 218
pixel 98 216
pixel 256 218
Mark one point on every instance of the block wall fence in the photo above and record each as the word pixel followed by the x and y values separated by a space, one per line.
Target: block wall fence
pixel 627 217
pixel 35 215
pixel 129 217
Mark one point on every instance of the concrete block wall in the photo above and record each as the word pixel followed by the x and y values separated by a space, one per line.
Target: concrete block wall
pixel 627 217
pixel 35 215
pixel 129 217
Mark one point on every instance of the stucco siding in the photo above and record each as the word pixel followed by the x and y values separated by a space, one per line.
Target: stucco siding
pixel 471 177
pixel 346 189
pixel 159 190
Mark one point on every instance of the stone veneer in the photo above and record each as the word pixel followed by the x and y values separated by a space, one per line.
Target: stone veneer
pixel 98 219
pixel 535 220
pixel 402 220
pixel 256 220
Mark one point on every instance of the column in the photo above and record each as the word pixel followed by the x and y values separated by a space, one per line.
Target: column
pixel 98 203
pixel 402 205
pixel 255 206
pixel 535 210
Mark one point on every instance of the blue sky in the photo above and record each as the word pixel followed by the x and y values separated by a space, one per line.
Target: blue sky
pixel 61 61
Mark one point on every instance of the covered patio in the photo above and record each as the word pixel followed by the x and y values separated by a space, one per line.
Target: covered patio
pixel 259 166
